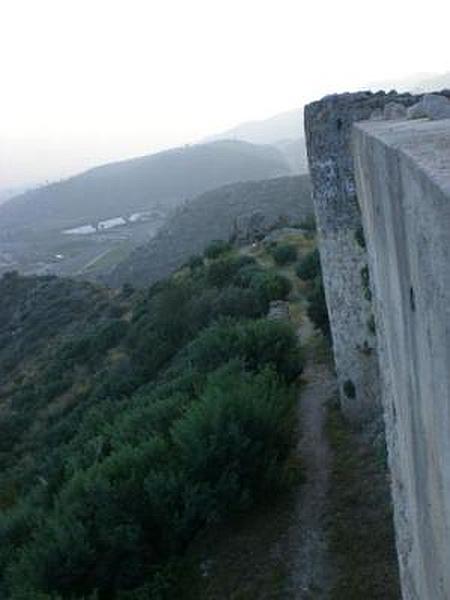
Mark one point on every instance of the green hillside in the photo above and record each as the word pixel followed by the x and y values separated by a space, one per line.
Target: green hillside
pixel 155 181
pixel 149 440
pixel 239 210
pixel 131 422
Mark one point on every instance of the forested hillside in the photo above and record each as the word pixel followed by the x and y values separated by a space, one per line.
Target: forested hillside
pixel 158 180
pixel 132 421
pixel 242 211
pixel 151 441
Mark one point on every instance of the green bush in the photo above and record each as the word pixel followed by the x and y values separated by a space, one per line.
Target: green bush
pixel 237 302
pixel 271 286
pixel 195 262
pixel 221 272
pixel 317 308
pixel 235 438
pixel 114 522
pixel 161 324
pixel 216 249
pixel 256 343
pixel 246 275
pixel 309 267
pixel 284 254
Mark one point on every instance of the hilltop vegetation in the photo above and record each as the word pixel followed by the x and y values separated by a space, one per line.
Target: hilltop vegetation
pixel 142 431
pixel 132 421
pixel 242 211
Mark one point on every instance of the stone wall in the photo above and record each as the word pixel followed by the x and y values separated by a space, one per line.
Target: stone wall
pixel 328 126
pixel 403 182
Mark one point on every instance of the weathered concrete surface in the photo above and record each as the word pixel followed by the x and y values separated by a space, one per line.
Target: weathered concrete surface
pixel 403 183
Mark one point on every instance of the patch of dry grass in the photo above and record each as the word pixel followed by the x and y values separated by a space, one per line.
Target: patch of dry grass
pixel 361 527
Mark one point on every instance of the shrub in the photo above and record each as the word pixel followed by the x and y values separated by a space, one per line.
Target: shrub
pixel 284 254
pixel 317 308
pixel 195 262
pixel 237 302
pixel 216 249
pixel 243 261
pixel 117 520
pixel 233 441
pixel 221 272
pixel 309 267
pixel 246 274
pixel 161 324
pixel 256 343
pixel 271 286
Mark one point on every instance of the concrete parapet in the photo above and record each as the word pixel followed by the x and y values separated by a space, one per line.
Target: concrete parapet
pixel 403 184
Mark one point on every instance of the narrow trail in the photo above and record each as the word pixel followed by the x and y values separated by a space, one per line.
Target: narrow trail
pixel 282 552
pixel 310 566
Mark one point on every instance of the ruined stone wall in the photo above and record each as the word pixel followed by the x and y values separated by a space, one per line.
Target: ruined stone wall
pixel 328 126
pixel 403 182
pixel 391 180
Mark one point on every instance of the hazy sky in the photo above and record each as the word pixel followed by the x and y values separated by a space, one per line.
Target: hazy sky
pixel 89 81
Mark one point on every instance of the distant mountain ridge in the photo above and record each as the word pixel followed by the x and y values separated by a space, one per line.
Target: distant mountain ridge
pixel 159 180
pixel 285 125
pixel 284 131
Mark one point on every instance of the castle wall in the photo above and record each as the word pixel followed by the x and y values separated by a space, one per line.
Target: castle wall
pixel 328 127
pixel 403 184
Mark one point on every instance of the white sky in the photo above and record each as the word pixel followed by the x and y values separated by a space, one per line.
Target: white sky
pixel 90 81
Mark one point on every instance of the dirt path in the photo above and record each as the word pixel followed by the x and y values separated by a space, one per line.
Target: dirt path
pixel 310 569
pixel 281 553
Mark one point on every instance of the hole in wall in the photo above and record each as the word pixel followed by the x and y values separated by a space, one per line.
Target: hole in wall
pixel 339 124
pixel 349 389
pixel 412 299
pixel 365 281
pixel 359 237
